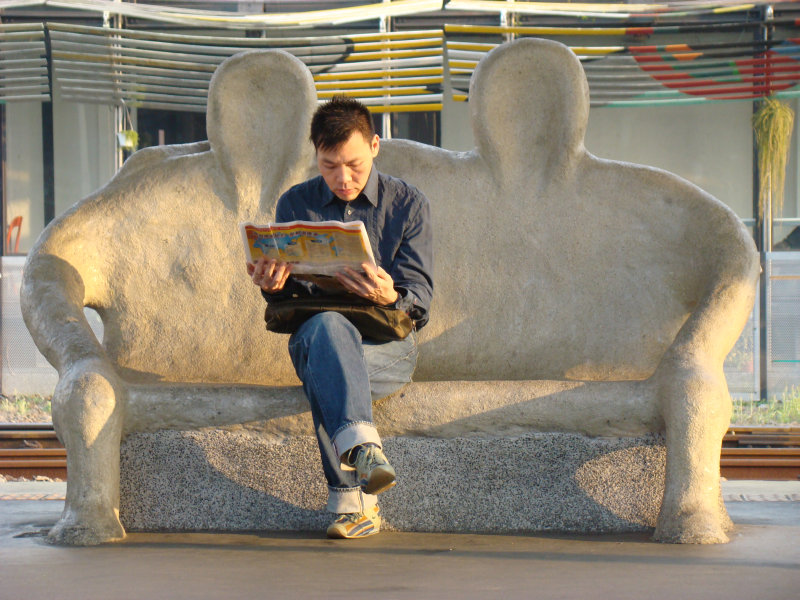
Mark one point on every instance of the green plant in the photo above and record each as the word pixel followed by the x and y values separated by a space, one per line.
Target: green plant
pixel 783 410
pixel 773 123
pixel 25 408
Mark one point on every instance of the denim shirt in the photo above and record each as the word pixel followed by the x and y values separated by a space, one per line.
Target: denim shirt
pixel 397 219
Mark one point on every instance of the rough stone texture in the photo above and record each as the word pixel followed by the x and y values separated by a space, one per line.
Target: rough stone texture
pixel 216 480
pixel 622 287
pixel 242 480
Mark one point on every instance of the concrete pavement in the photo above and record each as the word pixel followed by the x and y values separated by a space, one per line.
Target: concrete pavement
pixel 761 562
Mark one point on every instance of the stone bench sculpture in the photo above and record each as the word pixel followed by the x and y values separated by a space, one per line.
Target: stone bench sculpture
pixel 583 311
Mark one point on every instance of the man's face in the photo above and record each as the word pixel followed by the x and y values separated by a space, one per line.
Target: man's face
pixel 346 168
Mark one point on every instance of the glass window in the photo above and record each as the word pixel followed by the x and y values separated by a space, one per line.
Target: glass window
pixel 159 127
pixel 423 127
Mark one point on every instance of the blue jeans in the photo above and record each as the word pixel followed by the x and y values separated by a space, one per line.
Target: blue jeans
pixel 342 374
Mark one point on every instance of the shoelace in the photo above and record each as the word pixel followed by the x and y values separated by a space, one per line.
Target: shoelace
pixel 366 459
pixel 352 517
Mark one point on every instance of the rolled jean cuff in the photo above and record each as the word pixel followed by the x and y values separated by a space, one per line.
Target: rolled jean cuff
pixel 353 434
pixel 349 500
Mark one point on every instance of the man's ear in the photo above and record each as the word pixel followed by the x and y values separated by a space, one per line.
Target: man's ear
pixel 375 146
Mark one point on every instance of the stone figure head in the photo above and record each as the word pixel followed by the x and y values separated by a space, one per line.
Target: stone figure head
pixel 529 103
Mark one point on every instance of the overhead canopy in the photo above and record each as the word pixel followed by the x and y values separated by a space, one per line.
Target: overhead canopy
pixel 23 63
pixel 634 54
pixel 166 12
pixel 180 15
pixel 386 71
pixel 637 74
pixel 605 10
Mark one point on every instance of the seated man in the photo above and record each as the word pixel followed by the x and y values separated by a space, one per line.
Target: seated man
pixel 341 372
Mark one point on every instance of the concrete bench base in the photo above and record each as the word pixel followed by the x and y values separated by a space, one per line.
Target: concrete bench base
pixel 237 479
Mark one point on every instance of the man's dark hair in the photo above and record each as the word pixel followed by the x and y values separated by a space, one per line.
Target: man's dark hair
pixel 335 121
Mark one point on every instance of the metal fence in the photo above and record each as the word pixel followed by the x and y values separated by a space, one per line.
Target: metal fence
pixel 783 319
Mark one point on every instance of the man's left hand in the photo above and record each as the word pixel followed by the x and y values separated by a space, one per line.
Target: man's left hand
pixel 374 284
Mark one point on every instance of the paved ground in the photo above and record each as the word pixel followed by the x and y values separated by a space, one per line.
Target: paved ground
pixel 762 562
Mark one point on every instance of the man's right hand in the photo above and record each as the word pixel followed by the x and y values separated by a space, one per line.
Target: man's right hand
pixel 269 274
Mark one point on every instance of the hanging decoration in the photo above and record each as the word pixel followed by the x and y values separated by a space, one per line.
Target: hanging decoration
pixel 773 124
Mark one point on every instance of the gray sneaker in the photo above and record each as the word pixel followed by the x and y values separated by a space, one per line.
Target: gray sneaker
pixel 375 474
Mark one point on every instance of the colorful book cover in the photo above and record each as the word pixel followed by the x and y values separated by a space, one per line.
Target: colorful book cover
pixel 322 247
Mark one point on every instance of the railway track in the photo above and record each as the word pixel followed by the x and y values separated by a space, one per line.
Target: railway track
pixel 28 450
pixel 748 452
pixel 761 452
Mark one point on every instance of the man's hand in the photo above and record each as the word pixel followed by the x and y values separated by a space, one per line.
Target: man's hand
pixel 374 284
pixel 269 274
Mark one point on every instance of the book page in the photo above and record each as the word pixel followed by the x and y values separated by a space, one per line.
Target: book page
pixel 320 248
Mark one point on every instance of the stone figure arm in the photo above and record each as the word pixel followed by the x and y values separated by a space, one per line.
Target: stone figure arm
pixel 692 390
pixel 62 275
pixel 53 296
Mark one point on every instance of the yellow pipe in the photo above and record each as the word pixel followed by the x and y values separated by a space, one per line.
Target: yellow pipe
pixel 404 35
pixel 470 46
pixel 374 93
pixel 406 108
pixel 362 74
pixel 366 83
pixel 436 42
pixel 463 64
pixel 389 55
pixel 495 29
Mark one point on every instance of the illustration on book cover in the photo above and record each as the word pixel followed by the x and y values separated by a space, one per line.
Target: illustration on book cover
pixel 322 247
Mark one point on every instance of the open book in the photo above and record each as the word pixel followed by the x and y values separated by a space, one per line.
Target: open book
pixel 318 249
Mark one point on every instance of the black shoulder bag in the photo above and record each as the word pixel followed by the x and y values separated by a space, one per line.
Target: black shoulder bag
pixel 375 322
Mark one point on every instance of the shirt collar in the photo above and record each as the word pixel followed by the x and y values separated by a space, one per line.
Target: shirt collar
pixel 370 191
